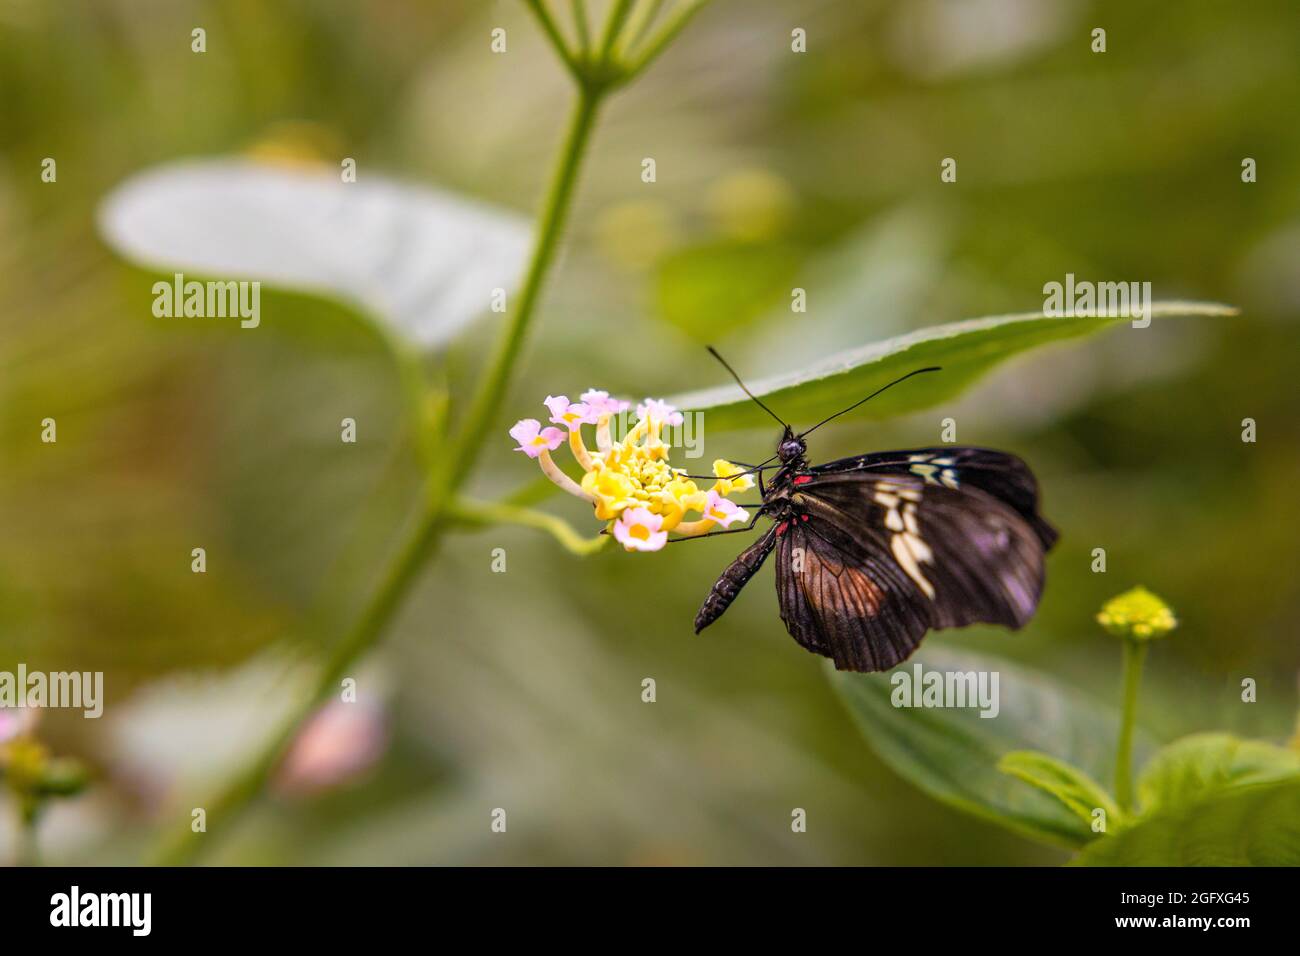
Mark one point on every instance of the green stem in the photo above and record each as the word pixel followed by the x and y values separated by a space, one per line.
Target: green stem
pixel 638 24
pixel 580 24
pixel 1135 653
pixel 28 850
pixel 675 25
pixel 423 538
pixel 618 14
pixel 557 39
pixel 485 513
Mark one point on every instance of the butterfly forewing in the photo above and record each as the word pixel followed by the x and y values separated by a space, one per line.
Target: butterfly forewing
pixel 1001 475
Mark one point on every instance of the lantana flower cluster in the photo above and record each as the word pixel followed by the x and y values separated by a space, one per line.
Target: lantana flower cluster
pixel 629 483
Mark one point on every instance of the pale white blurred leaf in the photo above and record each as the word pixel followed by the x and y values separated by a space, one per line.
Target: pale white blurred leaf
pixel 187 732
pixel 421 260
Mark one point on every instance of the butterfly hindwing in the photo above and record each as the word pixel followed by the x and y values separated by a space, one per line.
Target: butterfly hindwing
pixel 846 601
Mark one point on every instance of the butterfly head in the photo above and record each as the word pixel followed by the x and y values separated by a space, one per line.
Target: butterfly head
pixel 792 447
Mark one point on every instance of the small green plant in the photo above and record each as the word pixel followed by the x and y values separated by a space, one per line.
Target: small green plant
pixel 1041 767
pixel 1135 617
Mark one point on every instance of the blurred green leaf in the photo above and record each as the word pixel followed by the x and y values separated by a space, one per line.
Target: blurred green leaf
pixel 953 754
pixel 1201 765
pixel 1245 826
pixel 420 260
pixel 965 351
pixel 1065 782
pixel 708 291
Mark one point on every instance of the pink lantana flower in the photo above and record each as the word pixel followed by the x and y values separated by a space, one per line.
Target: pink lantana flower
pixel 17 722
pixel 341 741
pixel 601 404
pixel 660 412
pixel 534 439
pixel 573 415
pixel 639 529
pixel 723 511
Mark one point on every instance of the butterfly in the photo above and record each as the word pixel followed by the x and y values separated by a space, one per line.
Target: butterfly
pixel 874 551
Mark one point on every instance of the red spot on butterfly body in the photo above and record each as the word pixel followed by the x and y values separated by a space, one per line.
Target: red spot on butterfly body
pixel 803 479
pixel 780 529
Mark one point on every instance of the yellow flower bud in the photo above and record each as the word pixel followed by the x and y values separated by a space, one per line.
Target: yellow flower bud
pixel 1138 615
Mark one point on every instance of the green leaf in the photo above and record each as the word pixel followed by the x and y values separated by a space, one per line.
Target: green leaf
pixel 965 351
pixel 1201 765
pixel 1243 826
pixel 1065 782
pixel 953 754
pixel 711 290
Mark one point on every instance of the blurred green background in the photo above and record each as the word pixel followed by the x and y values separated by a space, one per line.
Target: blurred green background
pixel 522 690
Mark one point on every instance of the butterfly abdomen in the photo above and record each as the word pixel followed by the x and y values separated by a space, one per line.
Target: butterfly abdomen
pixel 733 578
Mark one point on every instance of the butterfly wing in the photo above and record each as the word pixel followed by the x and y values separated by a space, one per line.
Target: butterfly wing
pixel 880 551
pixel 844 601
pixel 1001 475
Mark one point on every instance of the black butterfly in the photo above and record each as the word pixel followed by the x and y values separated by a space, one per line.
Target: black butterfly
pixel 874 551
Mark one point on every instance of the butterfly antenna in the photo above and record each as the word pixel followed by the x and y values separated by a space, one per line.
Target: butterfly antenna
pixel 751 470
pixel 932 368
pixel 743 388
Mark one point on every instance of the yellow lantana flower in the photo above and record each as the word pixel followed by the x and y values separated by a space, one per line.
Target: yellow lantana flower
pixel 732 478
